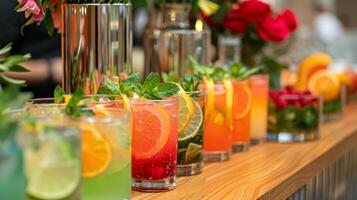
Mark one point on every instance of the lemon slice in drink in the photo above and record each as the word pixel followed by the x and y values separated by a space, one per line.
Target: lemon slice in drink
pixel 52 174
pixel 186 108
pixel 194 124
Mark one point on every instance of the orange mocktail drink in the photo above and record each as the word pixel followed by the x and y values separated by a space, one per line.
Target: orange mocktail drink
pixel 259 85
pixel 242 102
pixel 218 121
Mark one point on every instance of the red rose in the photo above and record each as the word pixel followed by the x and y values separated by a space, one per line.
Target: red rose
pixel 290 19
pixel 235 22
pixel 273 29
pixel 253 11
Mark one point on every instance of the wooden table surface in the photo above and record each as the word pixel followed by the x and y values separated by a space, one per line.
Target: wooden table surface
pixel 267 170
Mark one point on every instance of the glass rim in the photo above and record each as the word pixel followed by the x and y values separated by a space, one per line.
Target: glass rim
pixel 45 102
pixel 259 76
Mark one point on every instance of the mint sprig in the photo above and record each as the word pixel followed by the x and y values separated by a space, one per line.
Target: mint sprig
pixel 74 107
pixel 190 83
pixel 236 71
pixel 152 88
pixel 59 95
pixel 241 72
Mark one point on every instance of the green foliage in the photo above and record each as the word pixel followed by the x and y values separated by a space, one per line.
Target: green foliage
pixel 10 98
pixel 190 83
pixel 241 72
pixel 237 71
pixel 152 88
pixel 59 94
pixel 216 73
pixel 76 108
pixel 273 68
pixel 11 64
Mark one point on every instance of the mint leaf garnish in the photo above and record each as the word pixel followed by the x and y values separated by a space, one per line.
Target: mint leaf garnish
pixel 131 85
pixel 190 83
pixel 75 109
pixel 241 72
pixel 111 85
pixel 152 88
pixel 59 94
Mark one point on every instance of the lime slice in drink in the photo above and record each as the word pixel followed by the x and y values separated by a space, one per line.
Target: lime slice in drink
pixel 193 150
pixel 52 174
pixel 194 125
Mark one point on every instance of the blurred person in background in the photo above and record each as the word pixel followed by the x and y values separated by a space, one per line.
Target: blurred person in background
pixel 45 65
pixel 327 25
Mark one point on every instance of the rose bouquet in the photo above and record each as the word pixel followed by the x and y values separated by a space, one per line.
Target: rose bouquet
pixel 258 25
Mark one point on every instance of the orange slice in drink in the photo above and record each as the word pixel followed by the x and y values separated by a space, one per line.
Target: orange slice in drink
pixel 229 103
pixel 96 151
pixel 325 84
pixel 210 96
pixel 151 130
pixel 244 97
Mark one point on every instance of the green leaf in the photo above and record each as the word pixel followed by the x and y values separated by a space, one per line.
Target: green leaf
pixel 74 109
pixel 241 72
pixel 6 49
pixel 273 68
pixel 10 61
pixel 165 90
pixel 104 90
pixel 111 85
pixel 18 68
pixel 190 83
pixel 11 80
pixel 59 94
pixel 151 81
pixel 131 85
pixel 48 22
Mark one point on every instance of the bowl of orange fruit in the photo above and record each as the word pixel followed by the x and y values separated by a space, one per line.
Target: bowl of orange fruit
pixel 314 75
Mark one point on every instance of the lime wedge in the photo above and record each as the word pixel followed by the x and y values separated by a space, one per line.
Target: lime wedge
pixel 51 173
pixel 195 123
pixel 193 150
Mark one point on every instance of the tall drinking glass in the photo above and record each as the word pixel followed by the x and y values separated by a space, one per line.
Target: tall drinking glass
pixel 218 136
pixel 12 178
pixel 109 131
pixel 52 161
pixel 259 116
pixel 242 105
pixel 190 143
pixel 155 144
pixel 106 154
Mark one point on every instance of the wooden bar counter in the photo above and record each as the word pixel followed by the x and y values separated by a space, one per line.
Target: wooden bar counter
pixel 323 169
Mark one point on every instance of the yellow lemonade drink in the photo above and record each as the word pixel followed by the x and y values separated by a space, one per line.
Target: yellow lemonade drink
pixel 259 85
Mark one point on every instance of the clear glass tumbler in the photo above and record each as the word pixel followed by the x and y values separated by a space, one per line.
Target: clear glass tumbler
pixel 155 144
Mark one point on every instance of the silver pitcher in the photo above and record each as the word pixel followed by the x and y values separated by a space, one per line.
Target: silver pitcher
pixel 96 41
